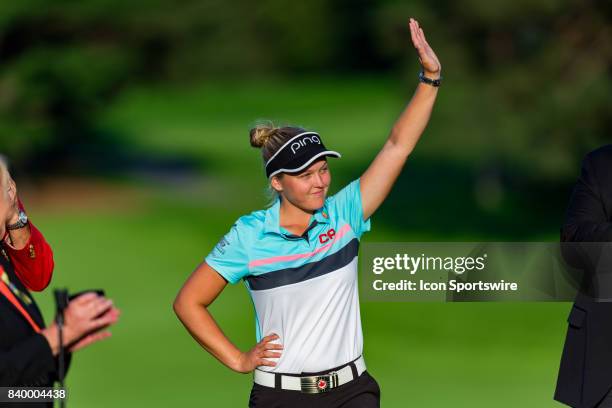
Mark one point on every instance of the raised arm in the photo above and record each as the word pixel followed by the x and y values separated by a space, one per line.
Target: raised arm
pixel 30 253
pixel 376 182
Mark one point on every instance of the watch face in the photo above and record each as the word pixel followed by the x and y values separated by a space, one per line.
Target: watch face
pixel 23 218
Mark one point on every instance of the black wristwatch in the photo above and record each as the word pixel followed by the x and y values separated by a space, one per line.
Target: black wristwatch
pixel 21 222
pixel 429 81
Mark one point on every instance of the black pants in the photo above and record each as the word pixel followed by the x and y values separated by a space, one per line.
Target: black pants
pixel 362 392
pixel 606 402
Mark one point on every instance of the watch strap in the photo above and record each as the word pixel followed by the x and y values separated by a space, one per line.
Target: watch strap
pixel 429 81
pixel 19 224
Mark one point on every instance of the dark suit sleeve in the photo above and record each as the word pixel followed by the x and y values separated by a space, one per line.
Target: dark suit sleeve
pixel 586 218
pixel 31 363
pixel 28 363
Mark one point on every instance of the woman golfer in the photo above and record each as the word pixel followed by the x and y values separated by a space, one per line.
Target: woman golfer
pixel 298 260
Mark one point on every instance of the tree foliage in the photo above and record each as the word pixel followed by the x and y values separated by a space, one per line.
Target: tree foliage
pixel 541 67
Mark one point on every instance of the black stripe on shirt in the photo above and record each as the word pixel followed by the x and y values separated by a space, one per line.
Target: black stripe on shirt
pixel 307 271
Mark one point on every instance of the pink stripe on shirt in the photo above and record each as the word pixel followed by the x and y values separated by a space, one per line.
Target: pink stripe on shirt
pixel 284 258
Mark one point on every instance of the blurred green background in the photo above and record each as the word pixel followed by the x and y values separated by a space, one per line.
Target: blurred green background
pixel 126 124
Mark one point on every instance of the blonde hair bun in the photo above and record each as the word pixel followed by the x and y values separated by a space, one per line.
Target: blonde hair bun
pixel 260 134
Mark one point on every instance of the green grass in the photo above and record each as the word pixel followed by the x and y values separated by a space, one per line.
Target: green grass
pixel 425 355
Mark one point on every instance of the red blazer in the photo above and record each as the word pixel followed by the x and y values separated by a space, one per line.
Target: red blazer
pixel 34 262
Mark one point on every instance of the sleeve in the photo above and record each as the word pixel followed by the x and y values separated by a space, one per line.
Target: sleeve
pixel 229 257
pixel 34 262
pixel 347 204
pixel 585 219
pixel 28 363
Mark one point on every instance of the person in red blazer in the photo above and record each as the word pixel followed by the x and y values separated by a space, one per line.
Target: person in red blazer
pixel 28 251
pixel 28 349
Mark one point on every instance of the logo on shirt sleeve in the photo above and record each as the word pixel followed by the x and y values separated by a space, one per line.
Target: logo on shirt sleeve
pixel 221 245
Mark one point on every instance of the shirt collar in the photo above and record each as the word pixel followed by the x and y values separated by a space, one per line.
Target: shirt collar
pixel 272 217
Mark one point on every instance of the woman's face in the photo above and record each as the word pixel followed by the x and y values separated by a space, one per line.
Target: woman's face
pixel 307 189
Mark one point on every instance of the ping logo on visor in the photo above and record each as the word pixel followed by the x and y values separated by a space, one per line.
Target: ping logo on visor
pixel 297 154
pixel 302 142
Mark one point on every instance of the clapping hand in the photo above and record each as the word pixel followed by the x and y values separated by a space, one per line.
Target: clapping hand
pixel 12 212
pixel 86 320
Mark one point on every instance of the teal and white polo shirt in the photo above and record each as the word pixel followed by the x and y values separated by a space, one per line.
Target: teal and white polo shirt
pixel 304 288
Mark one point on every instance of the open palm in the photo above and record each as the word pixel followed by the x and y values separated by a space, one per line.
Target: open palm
pixel 427 57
